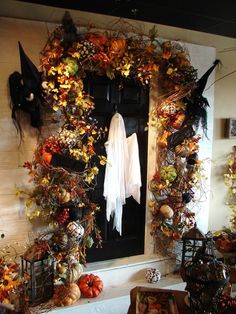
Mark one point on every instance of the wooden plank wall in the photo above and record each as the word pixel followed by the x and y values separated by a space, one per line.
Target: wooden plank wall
pixel 13 223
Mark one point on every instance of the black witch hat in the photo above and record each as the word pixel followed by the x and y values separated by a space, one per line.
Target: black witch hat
pixel 25 91
pixel 196 112
pixel 70 31
pixel 30 74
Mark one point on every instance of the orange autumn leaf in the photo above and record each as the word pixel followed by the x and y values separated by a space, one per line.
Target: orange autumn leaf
pixel 150 48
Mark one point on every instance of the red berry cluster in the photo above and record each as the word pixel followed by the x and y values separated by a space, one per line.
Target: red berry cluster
pixel 226 302
pixel 63 216
pixel 51 145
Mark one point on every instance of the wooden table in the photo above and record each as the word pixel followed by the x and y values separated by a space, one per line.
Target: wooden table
pixel 180 297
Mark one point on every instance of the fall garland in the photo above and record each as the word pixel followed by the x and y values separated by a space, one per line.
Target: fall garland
pixel 141 58
pixel 61 192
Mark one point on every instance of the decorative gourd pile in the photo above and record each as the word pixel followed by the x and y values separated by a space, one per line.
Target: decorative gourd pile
pixel 66 295
pixel 88 286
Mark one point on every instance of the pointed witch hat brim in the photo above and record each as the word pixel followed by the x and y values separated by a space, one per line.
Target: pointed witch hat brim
pixel 201 83
pixel 30 74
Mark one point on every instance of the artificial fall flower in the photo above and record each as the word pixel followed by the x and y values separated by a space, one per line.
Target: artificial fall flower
pixel 91 149
pixel 81 204
pixel 45 180
pixel 125 70
pixel 52 71
pixel 71 66
pixel 166 45
pixel 150 48
pixel 8 284
pixel 91 175
pixel 166 55
pixel 102 160
pixel 50 56
pixel 170 71
pixel 167 231
pixel 151 203
pixel 117 47
pixel 103 59
pixel 98 40
pixel 55 42
pixel 176 235
pixel 4 299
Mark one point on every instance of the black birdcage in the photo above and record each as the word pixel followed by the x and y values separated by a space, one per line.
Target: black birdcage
pixel 204 275
pixel 41 276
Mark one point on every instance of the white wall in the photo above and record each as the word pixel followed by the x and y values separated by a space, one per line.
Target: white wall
pixel 33 36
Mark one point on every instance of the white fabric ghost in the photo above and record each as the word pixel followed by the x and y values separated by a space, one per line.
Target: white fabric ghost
pixel 122 173
pixel 134 173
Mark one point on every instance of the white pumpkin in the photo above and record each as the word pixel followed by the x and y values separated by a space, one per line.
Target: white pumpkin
pixel 75 230
pixel 166 211
pixel 74 272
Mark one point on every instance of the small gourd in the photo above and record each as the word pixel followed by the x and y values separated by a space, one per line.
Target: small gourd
pixel 64 196
pixel 65 295
pixel 166 211
pixel 74 272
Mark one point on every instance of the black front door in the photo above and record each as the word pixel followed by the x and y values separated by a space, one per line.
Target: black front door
pixel 132 102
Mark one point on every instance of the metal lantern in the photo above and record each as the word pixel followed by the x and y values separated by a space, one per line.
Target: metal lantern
pixel 41 275
pixel 193 242
pixel 204 275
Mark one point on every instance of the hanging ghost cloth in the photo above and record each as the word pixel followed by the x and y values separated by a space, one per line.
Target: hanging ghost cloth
pixel 117 183
pixel 116 171
pixel 134 173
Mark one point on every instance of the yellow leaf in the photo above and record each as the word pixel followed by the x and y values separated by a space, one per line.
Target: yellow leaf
pixel 110 74
pixel 151 203
pixel 66 86
pixel 169 71
pixel 95 170
pixel 51 84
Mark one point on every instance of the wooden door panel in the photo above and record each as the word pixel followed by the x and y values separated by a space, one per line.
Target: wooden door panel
pixel 132 102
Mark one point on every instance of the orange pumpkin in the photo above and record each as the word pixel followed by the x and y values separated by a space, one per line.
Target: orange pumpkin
pixel 118 46
pixel 65 295
pixel 90 285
